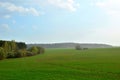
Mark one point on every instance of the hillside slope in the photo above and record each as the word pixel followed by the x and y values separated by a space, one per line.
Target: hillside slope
pixel 70 45
pixel 64 64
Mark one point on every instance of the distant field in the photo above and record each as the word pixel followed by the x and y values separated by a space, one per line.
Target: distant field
pixel 64 64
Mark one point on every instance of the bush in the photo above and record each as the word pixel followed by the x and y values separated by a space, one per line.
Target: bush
pixel 40 50
pixel 12 49
pixel 85 48
pixel 20 53
pixel 78 47
pixel 2 53
pixel 34 50
pixel 10 54
pixel 29 53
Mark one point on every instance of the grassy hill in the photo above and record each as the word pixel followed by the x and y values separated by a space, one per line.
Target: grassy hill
pixel 64 64
pixel 71 45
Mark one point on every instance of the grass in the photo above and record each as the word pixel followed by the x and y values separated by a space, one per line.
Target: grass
pixel 64 64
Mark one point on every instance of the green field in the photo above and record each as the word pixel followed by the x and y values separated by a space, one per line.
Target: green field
pixel 64 64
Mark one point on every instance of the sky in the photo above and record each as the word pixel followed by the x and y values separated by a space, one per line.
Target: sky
pixel 51 21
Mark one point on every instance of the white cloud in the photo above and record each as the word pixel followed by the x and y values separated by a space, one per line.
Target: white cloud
pixel 4 27
pixel 100 4
pixel 112 7
pixel 13 8
pixel 110 35
pixel 7 16
pixel 70 5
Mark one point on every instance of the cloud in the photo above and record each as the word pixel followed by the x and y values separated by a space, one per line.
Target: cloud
pixel 65 4
pixel 4 28
pixel 7 16
pixel 111 7
pixel 108 35
pixel 13 8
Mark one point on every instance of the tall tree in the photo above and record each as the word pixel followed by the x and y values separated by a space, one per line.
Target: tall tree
pixel 6 46
pixel 2 53
pixel 13 45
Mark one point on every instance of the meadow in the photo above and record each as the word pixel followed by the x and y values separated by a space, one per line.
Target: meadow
pixel 64 64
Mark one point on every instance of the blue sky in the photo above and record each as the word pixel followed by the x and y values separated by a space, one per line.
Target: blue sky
pixel 48 21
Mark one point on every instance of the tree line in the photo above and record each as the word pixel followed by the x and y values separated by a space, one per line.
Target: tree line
pixel 78 47
pixel 12 49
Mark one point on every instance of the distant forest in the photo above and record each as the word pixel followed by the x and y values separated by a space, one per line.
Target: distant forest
pixel 12 49
pixel 71 45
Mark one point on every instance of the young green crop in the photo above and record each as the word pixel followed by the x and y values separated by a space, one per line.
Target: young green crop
pixel 64 64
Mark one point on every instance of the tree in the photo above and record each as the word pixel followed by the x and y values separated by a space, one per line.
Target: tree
pixel 77 47
pixel 12 49
pixel 5 46
pixel 40 50
pixel 34 50
pixel 13 46
pixel 2 53
pixel 21 45
pixel 20 53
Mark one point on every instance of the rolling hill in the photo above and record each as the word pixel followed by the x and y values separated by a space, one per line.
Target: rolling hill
pixel 71 45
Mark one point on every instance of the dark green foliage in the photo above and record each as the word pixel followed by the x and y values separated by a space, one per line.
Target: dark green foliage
pixel 28 53
pixel 5 45
pixel 77 47
pixel 21 45
pixel 13 46
pixel 2 53
pixel 34 50
pixel 11 55
pixel 40 50
pixel 9 46
pixel 85 48
pixel 1 43
pixel 12 49
pixel 20 53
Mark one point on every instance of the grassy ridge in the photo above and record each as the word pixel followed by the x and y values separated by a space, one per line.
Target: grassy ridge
pixel 64 64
